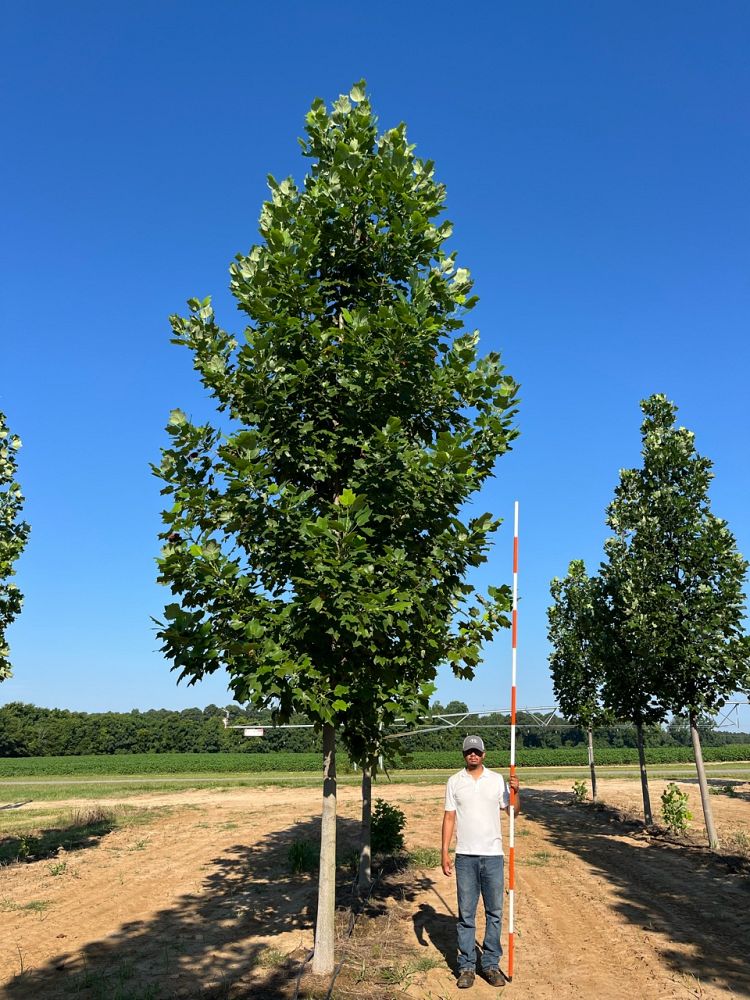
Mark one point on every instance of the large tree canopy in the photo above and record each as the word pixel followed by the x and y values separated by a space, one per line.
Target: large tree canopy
pixel 681 574
pixel 576 659
pixel 13 535
pixel 314 541
pixel 673 582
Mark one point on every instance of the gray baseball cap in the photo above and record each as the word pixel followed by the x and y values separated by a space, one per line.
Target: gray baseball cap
pixel 474 743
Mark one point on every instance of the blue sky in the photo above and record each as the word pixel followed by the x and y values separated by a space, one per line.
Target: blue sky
pixel 596 162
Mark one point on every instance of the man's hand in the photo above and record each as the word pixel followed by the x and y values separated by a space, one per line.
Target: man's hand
pixel 449 825
pixel 515 796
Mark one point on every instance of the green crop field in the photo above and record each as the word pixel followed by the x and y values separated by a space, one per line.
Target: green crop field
pixel 244 764
pixel 124 776
pixel 158 763
pixel 106 787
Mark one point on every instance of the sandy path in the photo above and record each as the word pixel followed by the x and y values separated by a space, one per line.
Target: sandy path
pixel 200 898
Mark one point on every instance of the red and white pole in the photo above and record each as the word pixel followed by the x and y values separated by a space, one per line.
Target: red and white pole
pixel 512 811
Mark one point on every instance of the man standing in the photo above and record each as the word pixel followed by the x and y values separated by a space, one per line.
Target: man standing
pixel 473 800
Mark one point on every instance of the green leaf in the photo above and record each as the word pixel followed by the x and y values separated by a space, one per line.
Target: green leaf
pixel 358 92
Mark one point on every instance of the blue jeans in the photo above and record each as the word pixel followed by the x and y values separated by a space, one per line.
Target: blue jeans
pixel 477 873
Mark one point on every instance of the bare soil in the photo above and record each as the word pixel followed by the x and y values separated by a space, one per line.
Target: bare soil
pixel 199 902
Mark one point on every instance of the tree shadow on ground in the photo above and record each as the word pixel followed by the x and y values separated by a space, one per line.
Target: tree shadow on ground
pixel 86 831
pixel 214 942
pixel 731 788
pixel 687 894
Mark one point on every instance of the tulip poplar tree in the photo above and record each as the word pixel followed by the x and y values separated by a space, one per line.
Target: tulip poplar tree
pixel 575 663
pixel 313 541
pixel 681 579
pixel 629 671
pixel 13 535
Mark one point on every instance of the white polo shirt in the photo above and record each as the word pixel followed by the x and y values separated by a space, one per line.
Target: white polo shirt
pixel 477 803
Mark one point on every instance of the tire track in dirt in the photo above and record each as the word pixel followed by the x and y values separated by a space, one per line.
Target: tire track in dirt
pixel 144 889
pixel 567 943
pixel 646 906
pixel 197 896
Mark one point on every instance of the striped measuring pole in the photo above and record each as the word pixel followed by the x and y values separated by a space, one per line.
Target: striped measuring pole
pixel 512 811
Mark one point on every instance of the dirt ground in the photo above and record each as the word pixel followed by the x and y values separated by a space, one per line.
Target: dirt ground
pixel 199 903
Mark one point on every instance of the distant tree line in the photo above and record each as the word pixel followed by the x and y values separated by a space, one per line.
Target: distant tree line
pixel 30 731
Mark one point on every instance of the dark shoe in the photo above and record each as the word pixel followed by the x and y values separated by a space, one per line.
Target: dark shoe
pixel 465 979
pixel 494 977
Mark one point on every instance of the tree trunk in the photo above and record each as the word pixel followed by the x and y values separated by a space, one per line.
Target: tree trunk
pixel 365 851
pixel 592 766
pixel 713 839
pixel 323 957
pixel 647 816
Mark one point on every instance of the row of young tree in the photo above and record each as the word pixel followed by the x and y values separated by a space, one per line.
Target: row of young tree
pixel 658 632
pixel 31 731
pixel 313 541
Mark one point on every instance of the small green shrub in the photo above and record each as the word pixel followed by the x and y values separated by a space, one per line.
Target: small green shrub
pixel 302 857
pixel 349 859
pixel 738 841
pixel 390 975
pixel 26 846
pixel 425 857
pixel 538 859
pixel 425 964
pixel 387 826
pixel 35 906
pixel 727 790
pixel 580 791
pixel 270 958
pixel 674 809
